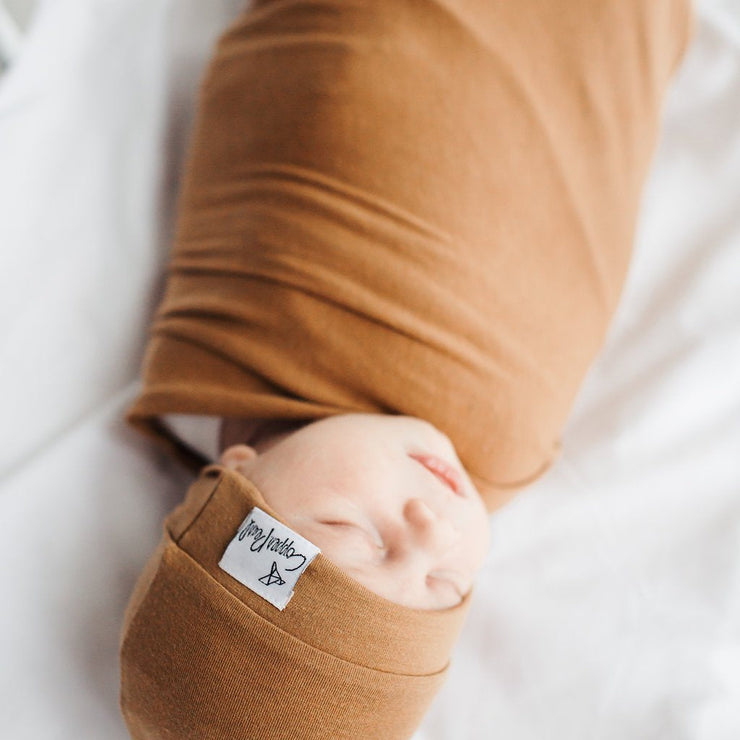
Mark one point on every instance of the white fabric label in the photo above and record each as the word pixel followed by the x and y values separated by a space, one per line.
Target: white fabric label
pixel 268 557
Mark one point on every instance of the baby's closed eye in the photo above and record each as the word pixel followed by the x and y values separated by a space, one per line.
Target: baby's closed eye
pixel 448 580
pixel 368 534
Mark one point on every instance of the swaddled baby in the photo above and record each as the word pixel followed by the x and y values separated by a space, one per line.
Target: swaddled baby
pixel 310 586
pixel 403 231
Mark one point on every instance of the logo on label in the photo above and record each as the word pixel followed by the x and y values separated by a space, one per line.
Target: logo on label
pixel 268 541
pixel 268 557
pixel 273 576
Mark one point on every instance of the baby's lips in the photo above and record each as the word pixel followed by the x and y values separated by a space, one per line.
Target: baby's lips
pixel 446 472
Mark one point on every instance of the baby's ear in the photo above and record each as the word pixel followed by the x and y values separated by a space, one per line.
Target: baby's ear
pixel 236 456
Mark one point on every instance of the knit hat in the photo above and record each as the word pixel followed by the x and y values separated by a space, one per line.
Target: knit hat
pixel 204 655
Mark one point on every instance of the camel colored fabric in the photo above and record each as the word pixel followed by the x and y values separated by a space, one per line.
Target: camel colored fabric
pixel 203 657
pixel 412 207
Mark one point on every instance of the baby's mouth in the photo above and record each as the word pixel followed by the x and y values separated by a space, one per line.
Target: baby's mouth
pixel 448 474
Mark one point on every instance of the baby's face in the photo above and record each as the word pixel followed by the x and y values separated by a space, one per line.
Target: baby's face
pixel 384 497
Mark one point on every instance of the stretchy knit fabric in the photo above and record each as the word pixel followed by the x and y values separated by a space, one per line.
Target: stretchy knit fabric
pixel 205 658
pixel 420 207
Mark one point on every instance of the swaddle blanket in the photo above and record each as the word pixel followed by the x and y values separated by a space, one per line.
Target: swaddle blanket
pixel 424 208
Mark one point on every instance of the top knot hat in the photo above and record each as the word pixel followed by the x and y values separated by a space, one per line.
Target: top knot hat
pixel 204 656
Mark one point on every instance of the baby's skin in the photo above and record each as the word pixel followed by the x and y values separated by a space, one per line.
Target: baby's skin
pixel 384 497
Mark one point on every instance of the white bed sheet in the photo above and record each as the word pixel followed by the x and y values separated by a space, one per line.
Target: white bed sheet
pixel 610 604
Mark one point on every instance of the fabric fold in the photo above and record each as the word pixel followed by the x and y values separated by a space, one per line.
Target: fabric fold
pixel 419 208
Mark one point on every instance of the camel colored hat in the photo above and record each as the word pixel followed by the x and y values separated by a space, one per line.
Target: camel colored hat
pixel 207 654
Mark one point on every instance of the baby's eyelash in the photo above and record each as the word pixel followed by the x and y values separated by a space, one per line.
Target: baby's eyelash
pixel 445 582
pixel 377 543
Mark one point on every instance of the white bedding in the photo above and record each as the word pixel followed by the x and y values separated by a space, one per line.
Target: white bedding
pixel 610 604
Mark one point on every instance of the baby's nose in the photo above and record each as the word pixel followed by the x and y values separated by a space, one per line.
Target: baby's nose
pixel 429 530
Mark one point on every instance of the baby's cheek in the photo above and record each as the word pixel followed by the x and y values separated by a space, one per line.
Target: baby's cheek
pixel 353 559
pixel 342 551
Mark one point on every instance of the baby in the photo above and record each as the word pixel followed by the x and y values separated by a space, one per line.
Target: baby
pixel 384 497
pixel 402 234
